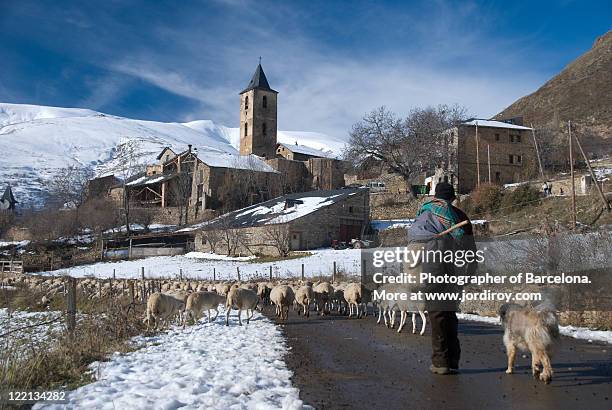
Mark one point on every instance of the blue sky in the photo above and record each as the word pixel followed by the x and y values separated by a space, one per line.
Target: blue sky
pixel 331 61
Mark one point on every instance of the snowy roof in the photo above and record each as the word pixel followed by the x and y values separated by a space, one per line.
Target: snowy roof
pixel 217 159
pixel 278 210
pixel 303 149
pixel 142 179
pixel 226 160
pixel 494 124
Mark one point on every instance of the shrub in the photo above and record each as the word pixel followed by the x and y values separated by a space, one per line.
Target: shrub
pixel 486 198
pixel 519 198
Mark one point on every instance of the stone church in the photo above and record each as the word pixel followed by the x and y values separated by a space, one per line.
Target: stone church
pixel 189 183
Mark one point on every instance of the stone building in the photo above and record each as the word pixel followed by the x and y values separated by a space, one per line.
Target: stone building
pixel 486 151
pixel 196 182
pixel 301 221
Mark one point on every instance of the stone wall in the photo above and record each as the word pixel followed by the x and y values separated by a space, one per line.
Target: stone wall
pixel 326 173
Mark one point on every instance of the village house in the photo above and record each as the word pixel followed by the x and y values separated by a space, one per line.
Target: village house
pixel 486 151
pixel 191 182
pixel 298 221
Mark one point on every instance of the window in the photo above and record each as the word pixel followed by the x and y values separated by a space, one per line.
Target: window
pixel 511 158
pixel 519 159
pixel 263 129
pixel 518 138
pixel 246 102
pixel 264 102
pixel 246 129
pixel 496 137
pixel 497 177
pixel 350 209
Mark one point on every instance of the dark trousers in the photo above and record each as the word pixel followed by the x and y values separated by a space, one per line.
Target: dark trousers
pixel 444 341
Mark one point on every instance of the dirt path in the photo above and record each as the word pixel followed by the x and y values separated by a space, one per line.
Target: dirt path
pixel 341 363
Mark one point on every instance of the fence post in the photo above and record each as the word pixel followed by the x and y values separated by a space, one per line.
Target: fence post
pixel 131 286
pixel 114 275
pixel 180 274
pixel 238 271
pixel 143 293
pixel 302 272
pixel 334 274
pixel 71 305
pixel 270 273
pixel 214 274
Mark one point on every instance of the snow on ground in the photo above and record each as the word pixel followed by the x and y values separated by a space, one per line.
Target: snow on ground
pixel 319 263
pixel 582 333
pixel 206 366
pixel 214 256
pixel 19 319
pixel 384 224
pixel 19 244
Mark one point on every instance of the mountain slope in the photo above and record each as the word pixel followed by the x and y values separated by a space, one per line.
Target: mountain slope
pixel 38 140
pixel 581 92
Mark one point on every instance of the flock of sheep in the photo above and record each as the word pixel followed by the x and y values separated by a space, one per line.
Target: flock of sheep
pixel 187 301
pixel 342 298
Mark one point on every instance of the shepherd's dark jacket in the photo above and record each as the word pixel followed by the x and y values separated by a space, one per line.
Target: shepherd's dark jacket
pixel 424 230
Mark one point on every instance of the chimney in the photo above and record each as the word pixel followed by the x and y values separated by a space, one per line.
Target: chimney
pixel 189 147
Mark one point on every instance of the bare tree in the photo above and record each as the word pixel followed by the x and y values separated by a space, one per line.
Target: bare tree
pixel 279 237
pixel 213 237
pixel 407 146
pixel 128 160
pixel 230 237
pixel 181 191
pixel 143 216
pixel 68 187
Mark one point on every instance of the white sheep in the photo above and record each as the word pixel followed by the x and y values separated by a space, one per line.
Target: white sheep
pixel 353 296
pixel 304 297
pixel 241 299
pixel 197 302
pixel 282 297
pixel 324 292
pixel 162 307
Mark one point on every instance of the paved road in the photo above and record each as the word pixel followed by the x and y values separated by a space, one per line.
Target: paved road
pixel 341 363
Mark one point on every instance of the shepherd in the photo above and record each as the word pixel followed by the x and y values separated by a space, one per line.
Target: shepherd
pixel 441 226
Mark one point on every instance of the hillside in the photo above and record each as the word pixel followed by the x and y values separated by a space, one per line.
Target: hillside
pixel 39 140
pixel 581 92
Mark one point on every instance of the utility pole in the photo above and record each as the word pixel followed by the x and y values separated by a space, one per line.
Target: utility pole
pixel 489 161
pixel 601 194
pixel 477 158
pixel 571 157
pixel 535 143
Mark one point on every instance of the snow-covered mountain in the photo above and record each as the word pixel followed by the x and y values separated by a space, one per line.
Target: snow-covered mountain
pixel 37 141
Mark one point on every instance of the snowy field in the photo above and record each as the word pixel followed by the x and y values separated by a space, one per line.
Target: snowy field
pixel 206 366
pixel 198 265
pixel 582 333
pixel 17 323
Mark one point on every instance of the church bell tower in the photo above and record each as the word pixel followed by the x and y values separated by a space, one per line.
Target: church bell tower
pixel 258 117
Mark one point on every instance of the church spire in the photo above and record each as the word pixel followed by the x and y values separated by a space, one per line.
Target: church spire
pixel 258 81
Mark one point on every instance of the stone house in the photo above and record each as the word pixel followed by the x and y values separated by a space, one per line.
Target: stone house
pixel 486 151
pixel 300 221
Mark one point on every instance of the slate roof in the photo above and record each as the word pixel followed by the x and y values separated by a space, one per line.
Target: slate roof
pixel 258 81
pixel 303 149
pixel 279 210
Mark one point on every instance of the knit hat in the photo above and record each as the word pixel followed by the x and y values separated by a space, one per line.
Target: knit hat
pixel 445 191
